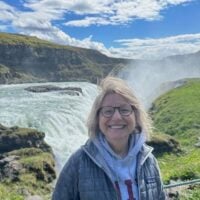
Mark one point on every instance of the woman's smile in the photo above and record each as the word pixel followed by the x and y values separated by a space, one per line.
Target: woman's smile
pixel 115 126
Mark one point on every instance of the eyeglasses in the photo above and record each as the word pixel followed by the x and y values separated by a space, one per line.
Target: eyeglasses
pixel 124 110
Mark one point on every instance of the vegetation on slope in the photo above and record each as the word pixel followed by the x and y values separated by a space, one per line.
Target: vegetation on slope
pixel 17 39
pixel 26 164
pixel 177 113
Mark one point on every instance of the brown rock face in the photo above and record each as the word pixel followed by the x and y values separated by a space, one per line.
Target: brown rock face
pixel 16 138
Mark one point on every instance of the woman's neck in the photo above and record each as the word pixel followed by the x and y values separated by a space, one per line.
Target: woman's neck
pixel 120 148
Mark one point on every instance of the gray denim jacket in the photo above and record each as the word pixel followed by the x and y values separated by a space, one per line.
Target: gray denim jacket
pixel 83 178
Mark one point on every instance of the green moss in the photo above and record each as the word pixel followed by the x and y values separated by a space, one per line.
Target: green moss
pixel 35 176
pixel 26 152
pixel 7 193
pixel 17 131
pixel 28 184
pixel 36 163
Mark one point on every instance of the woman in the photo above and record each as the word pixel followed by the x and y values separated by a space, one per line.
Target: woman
pixel 115 163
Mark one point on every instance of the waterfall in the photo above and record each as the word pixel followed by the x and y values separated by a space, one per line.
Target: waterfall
pixel 60 116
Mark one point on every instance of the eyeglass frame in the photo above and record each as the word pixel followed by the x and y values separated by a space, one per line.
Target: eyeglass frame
pixel 117 108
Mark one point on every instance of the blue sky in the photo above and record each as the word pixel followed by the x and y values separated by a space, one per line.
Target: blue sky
pixel 137 29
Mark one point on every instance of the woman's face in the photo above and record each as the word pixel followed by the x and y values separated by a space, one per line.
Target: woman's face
pixel 116 128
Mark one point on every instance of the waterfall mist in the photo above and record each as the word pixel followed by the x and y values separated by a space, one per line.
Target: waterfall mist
pixel 150 79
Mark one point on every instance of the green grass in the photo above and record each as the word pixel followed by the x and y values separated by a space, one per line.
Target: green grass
pixel 18 39
pixel 35 178
pixel 27 186
pixel 191 194
pixel 177 113
pixel 180 167
pixel 6 193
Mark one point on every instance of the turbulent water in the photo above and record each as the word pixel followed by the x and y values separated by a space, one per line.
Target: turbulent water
pixel 62 117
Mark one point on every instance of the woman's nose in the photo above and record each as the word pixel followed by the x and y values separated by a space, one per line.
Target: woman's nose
pixel 116 114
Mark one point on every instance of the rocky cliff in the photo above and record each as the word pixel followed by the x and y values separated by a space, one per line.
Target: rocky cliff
pixel 29 59
pixel 26 164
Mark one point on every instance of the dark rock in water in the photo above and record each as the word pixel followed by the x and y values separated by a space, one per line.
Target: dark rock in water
pixel 49 88
pixel 16 138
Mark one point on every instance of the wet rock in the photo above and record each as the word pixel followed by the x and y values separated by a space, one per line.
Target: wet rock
pixel 50 88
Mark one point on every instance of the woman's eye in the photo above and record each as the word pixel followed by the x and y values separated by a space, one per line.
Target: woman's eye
pixel 124 110
pixel 108 111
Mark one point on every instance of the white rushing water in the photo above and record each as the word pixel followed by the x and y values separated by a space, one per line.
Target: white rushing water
pixel 60 116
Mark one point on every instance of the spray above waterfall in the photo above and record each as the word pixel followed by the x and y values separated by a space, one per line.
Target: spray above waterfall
pixel 150 79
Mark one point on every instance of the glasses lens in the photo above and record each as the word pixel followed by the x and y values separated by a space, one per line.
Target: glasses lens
pixel 125 110
pixel 107 111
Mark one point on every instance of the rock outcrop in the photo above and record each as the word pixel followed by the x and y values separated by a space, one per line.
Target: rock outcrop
pixel 46 61
pixel 163 143
pixel 51 88
pixel 26 162
pixel 16 138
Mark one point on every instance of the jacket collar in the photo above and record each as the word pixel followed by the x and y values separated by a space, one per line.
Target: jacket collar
pixel 144 154
pixel 92 151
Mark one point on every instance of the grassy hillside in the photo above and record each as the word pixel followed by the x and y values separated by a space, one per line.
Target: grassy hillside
pixel 177 113
pixel 17 39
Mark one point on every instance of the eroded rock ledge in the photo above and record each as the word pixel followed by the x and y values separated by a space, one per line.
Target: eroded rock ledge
pixel 50 88
pixel 26 162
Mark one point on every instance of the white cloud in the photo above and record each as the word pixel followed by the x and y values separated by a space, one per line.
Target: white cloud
pixel 38 18
pixel 157 48
pixel 7 13
pixel 56 35
pixel 88 21
pixel 91 12
pixel 106 11
pixel 116 12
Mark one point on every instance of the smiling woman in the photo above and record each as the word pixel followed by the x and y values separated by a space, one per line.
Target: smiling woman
pixel 116 124
pixel 115 163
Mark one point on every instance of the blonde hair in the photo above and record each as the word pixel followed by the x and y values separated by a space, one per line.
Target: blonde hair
pixel 118 86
